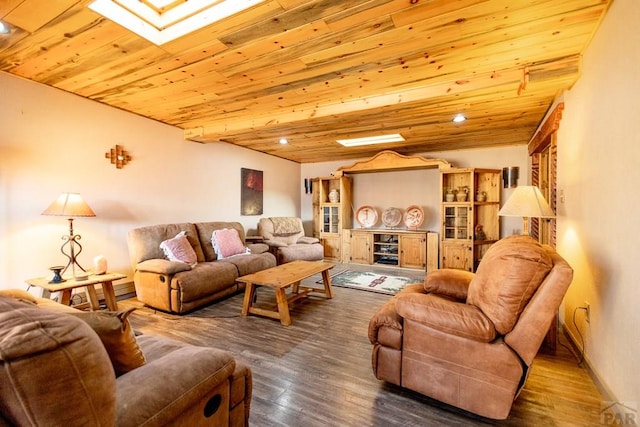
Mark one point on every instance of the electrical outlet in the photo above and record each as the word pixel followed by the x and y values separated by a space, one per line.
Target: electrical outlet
pixel 587 308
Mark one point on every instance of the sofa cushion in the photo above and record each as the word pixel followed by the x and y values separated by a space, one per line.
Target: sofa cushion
pixel 179 249
pixel 144 242
pixel 52 367
pixel 509 274
pixel 117 336
pixel 313 252
pixel 226 243
pixel 251 263
pixel 205 232
pixel 204 279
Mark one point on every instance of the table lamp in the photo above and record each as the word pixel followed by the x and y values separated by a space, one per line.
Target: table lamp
pixel 71 205
pixel 527 202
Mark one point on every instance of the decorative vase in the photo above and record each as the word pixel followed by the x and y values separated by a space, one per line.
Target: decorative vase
pixel 461 195
pixel 449 196
pixel 481 196
pixel 334 196
pixel 100 264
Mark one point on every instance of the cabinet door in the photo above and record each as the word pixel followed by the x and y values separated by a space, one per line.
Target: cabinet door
pixel 330 219
pixel 456 255
pixel 413 251
pixel 331 247
pixel 345 248
pixel 361 248
pixel 457 222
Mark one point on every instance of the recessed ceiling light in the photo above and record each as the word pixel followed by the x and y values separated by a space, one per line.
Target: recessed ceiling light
pixel 380 139
pixel 161 21
pixel 283 141
pixel 459 118
pixel 4 28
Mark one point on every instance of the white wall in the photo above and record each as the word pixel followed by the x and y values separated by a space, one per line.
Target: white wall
pixel 402 189
pixel 599 171
pixel 53 142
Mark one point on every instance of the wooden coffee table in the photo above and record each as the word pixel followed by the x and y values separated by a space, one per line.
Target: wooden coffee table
pixel 280 278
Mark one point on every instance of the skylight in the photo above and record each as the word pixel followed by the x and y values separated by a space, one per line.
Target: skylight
pixel 380 139
pixel 161 21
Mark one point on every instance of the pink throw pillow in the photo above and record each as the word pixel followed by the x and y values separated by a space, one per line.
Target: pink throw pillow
pixel 179 249
pixel 226 242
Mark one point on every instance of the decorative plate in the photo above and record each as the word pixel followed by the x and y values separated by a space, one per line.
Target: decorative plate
pixel 367 216
pixel 414 216
pixel 391 217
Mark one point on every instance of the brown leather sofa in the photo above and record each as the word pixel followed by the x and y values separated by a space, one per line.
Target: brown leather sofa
pixel 177 287
pixel 286 240
pixel 58 367
pixel 469 339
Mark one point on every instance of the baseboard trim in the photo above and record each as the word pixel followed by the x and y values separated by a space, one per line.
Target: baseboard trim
pixel 619 416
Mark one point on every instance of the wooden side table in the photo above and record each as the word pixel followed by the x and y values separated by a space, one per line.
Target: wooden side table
pixel 95 279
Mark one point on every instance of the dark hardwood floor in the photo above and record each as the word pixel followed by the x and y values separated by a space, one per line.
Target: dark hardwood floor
pixel 317 372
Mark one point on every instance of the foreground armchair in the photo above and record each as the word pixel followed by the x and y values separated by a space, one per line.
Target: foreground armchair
pixel 286 239
pixel 63 367
pixel 469 339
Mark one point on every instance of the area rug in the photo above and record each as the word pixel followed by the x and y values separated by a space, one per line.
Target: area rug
pixel 372 282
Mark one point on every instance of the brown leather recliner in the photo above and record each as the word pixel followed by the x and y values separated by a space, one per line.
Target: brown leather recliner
pixel 469 339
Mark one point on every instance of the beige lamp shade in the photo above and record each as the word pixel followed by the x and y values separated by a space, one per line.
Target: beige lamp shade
pixel 527 202
pixel 70 205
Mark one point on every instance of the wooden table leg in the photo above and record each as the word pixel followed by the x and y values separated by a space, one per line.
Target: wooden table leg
pixel 283 306
pixel 326 280
pixel 110 296
pixel 65 297
pixel 92 297
pixel 296 287
pixel 249 292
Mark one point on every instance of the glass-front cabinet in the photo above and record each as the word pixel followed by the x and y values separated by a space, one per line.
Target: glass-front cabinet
pixel 331 213
pixel 330 219
pixel 470 200
pixel 456 222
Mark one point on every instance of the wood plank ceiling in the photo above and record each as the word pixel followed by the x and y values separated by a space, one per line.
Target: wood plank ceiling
pixel 319 70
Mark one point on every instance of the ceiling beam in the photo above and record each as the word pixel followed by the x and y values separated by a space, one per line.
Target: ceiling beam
pixel 217 130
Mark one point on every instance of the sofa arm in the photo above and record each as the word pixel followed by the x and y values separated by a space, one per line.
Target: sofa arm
pixel 449 282
pixel 186 381
pixel 162 266
pixel 446 315
pixel 308 240
pixel 275 243
pixel 385 327
pixel 258 248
